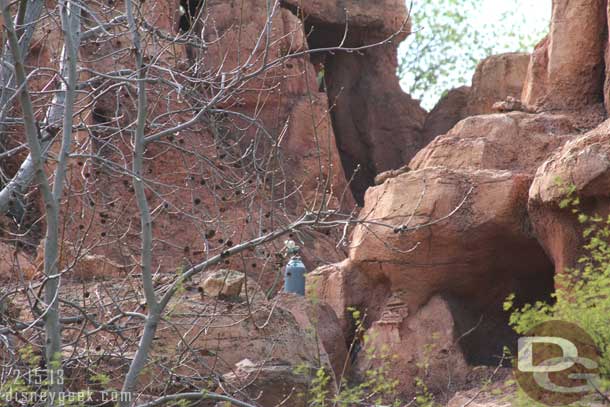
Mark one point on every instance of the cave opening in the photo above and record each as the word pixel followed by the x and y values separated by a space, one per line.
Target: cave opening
pixel 377 126
pixel 343 76
pixel 482 326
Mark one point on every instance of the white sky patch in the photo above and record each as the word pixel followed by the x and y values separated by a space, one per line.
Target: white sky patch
pixel 526 16
pixel 533 11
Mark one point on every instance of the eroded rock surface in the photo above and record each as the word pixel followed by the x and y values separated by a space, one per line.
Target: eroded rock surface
pixel 453 227
pixel 446 233
pixel 583 163
pixel 460 232
pixel 377 126
pixel 567 69
pixel 428 335
pixel 496 78
pixel 449 110
pixel 515 141
pixel 319 320
pixel 14 265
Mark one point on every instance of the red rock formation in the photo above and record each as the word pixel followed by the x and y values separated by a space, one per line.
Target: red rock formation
pixel 449 110
pixel 566 71
pixel 428 336
pixel 377 126
pixel 515 141
pixel 13 264
pixel 384 17
pixel 210 189
pixel 319 320
pixel 440 243
pixel 496 78
pixel 463 206
pixel 468 258
pixel 584 163
pixel 607 61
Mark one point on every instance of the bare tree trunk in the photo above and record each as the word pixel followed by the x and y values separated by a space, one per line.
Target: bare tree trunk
pixel 154 311
pixel 70 16
pixel 70 22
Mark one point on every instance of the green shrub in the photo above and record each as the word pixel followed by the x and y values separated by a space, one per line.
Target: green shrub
pixel 582 293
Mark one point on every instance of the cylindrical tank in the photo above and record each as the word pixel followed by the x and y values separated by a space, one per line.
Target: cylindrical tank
pixel 294 276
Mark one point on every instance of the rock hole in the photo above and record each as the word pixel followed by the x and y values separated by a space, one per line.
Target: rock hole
pixel 188 13
pixel 482 326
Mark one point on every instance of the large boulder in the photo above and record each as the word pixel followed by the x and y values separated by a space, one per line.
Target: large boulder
pixel 449 233
pixel 496 78
pixel 404 343
pixel 514 141
pixel 223 283
pixel 567 68
pixel 418 220
pixel 583 163
pixel 441 232
pixel 319 320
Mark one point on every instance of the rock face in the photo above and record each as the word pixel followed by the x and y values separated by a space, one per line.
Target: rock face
pixel 515 141
pixel 607 61
pixel 496 78
pixel 377 126
pixel 473 275
pixel 585 164
pixel 269 384
pixel 201 339
pixel 79 264
pixel 13 264
pixel 385 16
pixel 567 69
pixel 447 112
pixel 204 206
pixel 460 206
pixel 319 320
pixel 428 336
pixel 449 235
pixel 229 339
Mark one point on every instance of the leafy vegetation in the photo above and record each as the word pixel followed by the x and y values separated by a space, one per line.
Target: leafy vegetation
pixel 583 293
pixel 448 41
pixel 374 388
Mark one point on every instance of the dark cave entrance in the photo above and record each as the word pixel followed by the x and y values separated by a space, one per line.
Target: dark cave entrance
pixel 482 326
pixel 377 126
pixel 341 75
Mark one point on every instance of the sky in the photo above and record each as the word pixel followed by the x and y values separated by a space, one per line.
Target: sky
pixel 526 16
pixel 534 10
